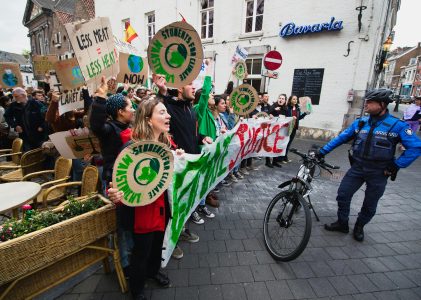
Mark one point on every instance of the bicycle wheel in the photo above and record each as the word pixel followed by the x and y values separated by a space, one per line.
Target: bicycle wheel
pixel 287 229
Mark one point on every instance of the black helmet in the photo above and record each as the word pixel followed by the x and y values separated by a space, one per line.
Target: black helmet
pixel 379 95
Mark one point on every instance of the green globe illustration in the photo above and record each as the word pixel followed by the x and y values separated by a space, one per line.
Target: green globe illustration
pixel 146 171
pixel 240 70
pixel 243 99
pixel 9 78
pixel 176 55
pixel 135 63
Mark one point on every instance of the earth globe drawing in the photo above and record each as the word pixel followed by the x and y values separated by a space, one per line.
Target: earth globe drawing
pixel 135 63
pixel 243 99
pixel 77 73
pixel 176 55
pixel 146 171
pixel 9 78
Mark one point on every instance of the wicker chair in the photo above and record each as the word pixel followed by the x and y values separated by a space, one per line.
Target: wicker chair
pixel 31 161
pixel 61 172
pixel 15 153
pixel 88 185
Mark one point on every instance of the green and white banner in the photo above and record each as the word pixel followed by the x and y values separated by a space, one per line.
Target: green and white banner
pixel 195 175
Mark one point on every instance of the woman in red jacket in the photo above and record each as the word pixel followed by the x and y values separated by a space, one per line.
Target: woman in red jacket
pixel 148 222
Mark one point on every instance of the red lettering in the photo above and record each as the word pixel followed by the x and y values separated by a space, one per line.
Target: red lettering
pixel 276 130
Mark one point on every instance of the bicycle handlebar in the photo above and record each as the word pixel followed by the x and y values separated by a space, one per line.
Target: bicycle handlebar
pixel 321 163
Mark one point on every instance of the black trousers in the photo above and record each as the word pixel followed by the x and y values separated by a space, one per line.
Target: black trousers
pixel 145 260
pixel 291 138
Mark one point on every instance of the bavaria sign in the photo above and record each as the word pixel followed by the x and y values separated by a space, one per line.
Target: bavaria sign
pixel 291 29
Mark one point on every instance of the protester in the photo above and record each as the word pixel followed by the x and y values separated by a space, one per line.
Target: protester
pixel 412 115
pixel 293 110
pixel 279 108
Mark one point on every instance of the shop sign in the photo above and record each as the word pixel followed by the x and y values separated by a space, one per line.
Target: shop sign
pixel 291 29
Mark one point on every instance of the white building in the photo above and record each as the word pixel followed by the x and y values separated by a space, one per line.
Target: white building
pixel 256 25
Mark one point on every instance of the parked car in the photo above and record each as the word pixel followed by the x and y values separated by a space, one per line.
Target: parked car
pixel 406 99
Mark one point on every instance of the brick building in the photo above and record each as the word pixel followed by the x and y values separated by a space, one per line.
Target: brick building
pixel 45 21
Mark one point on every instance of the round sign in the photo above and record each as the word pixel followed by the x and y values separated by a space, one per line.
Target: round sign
pixel 240 70
pixel 176 52
pixel 244 99
pixel 262 114
pixel 143 171
pixel 272 60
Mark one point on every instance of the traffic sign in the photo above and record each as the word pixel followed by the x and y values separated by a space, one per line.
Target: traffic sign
pixel 272 60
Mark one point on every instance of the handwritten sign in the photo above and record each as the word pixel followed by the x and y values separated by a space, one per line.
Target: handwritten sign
pixel 43 64
pixel 133 69
pixel 69 74
pixel 176 52
pixel 240 70
pixel 143 171
pixel 94 47
pixel 125 47
pixel 75 143
pixel 10 75
pixel 70 100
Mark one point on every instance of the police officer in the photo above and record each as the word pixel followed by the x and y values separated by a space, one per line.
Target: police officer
pixel 372 159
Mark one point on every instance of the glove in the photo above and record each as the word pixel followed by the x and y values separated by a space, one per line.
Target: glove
pixel 319 154
pixel 391 170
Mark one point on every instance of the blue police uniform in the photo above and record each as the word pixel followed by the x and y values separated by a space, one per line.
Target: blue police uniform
pixel 373 151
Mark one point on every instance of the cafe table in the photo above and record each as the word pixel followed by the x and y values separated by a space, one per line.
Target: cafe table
pixel 14 194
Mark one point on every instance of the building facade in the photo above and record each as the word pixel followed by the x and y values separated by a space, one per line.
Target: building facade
pixel 329 49
pixel 45 21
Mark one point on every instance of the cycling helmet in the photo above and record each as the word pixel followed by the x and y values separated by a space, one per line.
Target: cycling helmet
pixel 379 95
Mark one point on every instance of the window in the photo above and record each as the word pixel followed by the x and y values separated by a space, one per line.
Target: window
pixel 254 69
pixel 207 19
pixel 41 44
pixel 254 15
pixel 151 25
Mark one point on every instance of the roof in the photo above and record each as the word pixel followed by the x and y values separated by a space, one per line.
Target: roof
pixel 13 57
pixel 401 54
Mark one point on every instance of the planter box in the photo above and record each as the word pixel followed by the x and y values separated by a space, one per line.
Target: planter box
pixel 57 252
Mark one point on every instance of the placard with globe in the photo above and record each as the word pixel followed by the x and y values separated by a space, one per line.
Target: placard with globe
pixel 176 52
pixel 10 75
pixel 244 99
pixel 133 69
pixel 143 171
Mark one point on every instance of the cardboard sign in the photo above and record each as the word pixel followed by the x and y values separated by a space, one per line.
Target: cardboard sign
pixel 124 47
pixel 70 100
pixel 10 75
pixel 240 70
pixel 239 54
pixel 75 143
pixel 93 43
pixel 262 114
pixel 69 74
pixel 43 64
pixel 244 99
pixel 53 81
pixel 143 171
pixel 133 69
pixel 176 52
pixel 305 104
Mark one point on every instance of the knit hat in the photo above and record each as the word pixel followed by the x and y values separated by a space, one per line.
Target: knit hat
pixel 114 103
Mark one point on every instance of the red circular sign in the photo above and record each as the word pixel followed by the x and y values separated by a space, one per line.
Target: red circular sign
pixel 272 60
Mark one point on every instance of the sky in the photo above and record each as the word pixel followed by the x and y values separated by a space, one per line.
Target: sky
pixel 13 35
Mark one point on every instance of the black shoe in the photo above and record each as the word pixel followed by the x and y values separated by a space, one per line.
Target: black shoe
pixel 140 296
pixel 358 232
pixel 337 226
pixel 126 271
pixel 269 165
pixel 276 164
pixel 162 280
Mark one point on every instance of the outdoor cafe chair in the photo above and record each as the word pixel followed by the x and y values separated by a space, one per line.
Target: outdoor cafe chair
pixel 31 161
pixel 15 153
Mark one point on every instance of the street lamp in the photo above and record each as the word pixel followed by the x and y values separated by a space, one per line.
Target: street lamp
pixel 387 44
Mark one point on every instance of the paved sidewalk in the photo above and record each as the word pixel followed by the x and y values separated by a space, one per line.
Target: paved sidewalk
pixel 231 262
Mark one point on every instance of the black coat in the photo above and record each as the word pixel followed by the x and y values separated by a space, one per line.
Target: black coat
pixel 275 112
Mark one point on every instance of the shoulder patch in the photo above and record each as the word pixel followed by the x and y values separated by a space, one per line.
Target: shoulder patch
pixel 408 131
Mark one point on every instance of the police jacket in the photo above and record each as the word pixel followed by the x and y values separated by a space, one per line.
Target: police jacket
pixel 376 139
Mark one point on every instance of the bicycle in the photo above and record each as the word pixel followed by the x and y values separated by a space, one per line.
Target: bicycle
pixel 287 221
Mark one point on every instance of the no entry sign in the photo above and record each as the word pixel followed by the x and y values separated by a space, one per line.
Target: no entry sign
pixel 272 60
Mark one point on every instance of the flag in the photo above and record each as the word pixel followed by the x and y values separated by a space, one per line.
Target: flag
pixel 182 18
pixel 130 34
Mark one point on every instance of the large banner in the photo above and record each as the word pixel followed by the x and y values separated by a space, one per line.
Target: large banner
pixel 10 75
pixel 93 43
pixel 195 175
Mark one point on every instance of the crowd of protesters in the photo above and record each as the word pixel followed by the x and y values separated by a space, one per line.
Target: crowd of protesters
pixel 185 119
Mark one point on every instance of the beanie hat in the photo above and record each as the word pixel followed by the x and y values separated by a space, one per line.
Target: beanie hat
pixel 114 103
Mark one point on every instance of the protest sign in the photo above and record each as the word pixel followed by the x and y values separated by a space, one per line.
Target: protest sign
pixel 305 104
pixel 124 47
pixel 75 143
pixel 133 69
pixel 95 51
pixel 70 100
pixel 52 80
pixel 69 74
pixel 198 82
pixel 195 175
pixel 10 75
pixel 43 64
pixel 239 54
pixel 176 52
pixel 262 114
pixel 143 171
pixel 244 99
pixel 240 70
